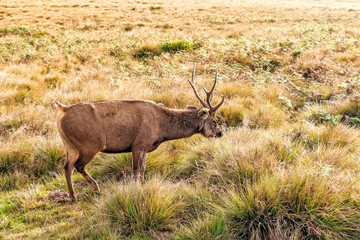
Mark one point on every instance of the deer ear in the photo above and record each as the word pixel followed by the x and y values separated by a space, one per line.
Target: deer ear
pixel 191 107
pixel 203 113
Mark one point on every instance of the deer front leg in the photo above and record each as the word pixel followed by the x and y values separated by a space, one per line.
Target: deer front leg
pixel 139 164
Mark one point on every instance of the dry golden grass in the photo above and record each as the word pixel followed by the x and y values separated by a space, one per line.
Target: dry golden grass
pixel 289 72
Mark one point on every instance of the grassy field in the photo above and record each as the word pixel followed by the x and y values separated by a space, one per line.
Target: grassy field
pixel 288 166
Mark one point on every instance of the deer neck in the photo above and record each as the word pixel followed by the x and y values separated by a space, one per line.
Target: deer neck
pixel 182 124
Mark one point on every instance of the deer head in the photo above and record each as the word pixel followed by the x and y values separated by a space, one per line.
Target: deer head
pixel 211 127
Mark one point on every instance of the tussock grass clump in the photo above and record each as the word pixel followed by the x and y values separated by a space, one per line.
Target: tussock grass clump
pixel 194 160
pixel 19 120
pixel 179 46
pixel 175 100
pixel 246 155
pixel 254 61
pixel 17 97
pixel 53 81
pixel 240 157
pixel 128 27
pixel 118 52
pixel 293 205
pixel 163 160
pixel 131 209
pixel 266 116
pixel 148 51
pixel 9 126
pixel 349 107
pixel 21 31
pixel 348 57
pixel 236 89
pixel 47 158
pixel 245 60
pixel 334 159
pixel 282 147
pixel 13 180
pixel 155 8
pixel 114 166
pixel 14 160
pixel 14 168
pixel 18 167
pixel 330 136
pixel 233 115
pixel 208 227
pixel 322 93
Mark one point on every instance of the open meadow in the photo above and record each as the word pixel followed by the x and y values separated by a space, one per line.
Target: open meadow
pixel 287 167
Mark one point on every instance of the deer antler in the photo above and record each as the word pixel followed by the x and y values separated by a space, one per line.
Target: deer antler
pixel 209 94
pixel 193 87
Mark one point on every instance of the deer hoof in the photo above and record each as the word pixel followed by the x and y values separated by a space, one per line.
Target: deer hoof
pixel 73 199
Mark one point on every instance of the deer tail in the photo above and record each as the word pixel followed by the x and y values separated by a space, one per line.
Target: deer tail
pixel 60 106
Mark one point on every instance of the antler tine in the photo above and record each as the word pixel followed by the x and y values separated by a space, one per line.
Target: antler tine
pixel 210 94
pixel 213 109
pixel 212 89
pixel 193 87
pixel 193 73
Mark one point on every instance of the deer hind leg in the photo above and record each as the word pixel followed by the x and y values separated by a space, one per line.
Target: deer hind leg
pixel 69 167
pixel 139 164
pixel 80 167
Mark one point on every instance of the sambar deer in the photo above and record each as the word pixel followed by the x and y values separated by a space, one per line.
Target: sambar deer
pixel 137 126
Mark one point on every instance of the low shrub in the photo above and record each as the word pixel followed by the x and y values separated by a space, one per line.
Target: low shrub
pixel 323 117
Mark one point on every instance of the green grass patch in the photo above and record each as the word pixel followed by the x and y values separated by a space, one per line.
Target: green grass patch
pixel 179 46
pixel 21 31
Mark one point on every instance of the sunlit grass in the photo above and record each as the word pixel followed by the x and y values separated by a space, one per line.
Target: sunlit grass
pixel 286 168
pixel 133 209
pixel 295 205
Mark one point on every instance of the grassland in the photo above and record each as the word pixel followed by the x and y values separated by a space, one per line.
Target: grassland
pixel 287 168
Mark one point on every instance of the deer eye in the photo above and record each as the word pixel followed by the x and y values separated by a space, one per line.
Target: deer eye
pixel 214 122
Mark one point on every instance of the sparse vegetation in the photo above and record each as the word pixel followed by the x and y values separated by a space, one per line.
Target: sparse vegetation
pixel 286 168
